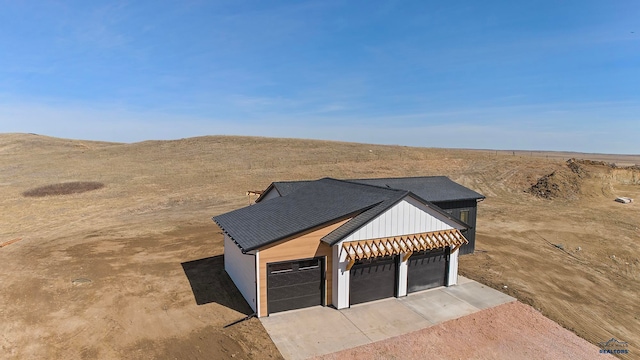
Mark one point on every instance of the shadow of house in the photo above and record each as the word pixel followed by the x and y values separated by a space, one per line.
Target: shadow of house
pixel 211 284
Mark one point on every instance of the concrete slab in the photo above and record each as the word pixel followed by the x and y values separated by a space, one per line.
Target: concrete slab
pixel 301 334
pixel 305 333
pixel 463 280
pixel 383 319
pixel 437 306
pixel 478 295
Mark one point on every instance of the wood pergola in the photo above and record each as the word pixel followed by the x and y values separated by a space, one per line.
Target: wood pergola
pixel 405 244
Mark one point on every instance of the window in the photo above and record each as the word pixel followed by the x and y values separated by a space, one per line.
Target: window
pixel 280 268
pixel 464 216
pixel 308 264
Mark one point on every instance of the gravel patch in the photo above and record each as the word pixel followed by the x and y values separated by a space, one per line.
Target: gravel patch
pixel 509 331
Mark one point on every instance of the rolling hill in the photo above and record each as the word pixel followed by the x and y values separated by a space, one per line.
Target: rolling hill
pixel 101 273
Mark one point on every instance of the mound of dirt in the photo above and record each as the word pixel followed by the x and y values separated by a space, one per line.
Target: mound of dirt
pixel 583 178
pixel 632 168
pixel 556 185
pixel 575 167
pixel 592 162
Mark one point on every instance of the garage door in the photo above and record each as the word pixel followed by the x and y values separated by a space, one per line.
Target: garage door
pixel 427 269
pixel 294 284
pixel 373 279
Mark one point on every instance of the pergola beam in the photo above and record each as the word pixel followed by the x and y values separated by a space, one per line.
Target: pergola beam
pixel 407 256
pixel 407 244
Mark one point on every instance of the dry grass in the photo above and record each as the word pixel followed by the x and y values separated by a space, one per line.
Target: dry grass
pixel 131 237
pixel 68 188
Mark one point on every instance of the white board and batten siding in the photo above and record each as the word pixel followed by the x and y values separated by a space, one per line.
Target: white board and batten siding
pixel 242 270
pixel 409 216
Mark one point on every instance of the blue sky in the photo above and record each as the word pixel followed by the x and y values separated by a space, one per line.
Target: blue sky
pixel 539 75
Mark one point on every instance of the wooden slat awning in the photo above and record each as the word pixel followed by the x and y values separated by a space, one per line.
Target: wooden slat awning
pixel 407 244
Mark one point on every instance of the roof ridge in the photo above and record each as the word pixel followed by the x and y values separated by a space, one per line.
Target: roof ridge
pixel 291 181
pixel 363 184
pixel 403 177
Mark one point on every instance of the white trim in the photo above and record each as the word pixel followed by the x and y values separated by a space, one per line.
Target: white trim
pixel 403 273
pixel 453 268
pixel 341 279
pixel 335 271
pixel 257 256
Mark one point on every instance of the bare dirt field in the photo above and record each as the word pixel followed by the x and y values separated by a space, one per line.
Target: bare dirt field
pixel 134 268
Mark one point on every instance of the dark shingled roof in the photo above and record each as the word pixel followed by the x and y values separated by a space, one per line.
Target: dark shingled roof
pixel 283 188
pixel 287 187
pixel 430 188
pixel 317 203
pixel 305 205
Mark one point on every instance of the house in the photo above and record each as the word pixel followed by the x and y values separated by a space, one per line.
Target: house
pixel 344 242
pixel 455 199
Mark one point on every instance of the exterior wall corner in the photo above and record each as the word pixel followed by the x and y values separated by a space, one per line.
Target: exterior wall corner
pixel 241 268
pixel 453 268
pixel 342 278
pixel 403 271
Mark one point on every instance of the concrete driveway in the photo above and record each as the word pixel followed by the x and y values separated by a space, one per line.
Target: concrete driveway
pixel 304 333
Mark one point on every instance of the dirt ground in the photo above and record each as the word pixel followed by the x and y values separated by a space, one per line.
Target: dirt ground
pixel 509 331
pixel 135 269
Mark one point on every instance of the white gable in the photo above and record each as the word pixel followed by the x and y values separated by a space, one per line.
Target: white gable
pixel 409 216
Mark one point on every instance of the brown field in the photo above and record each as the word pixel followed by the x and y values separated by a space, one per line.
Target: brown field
pixel 134 269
